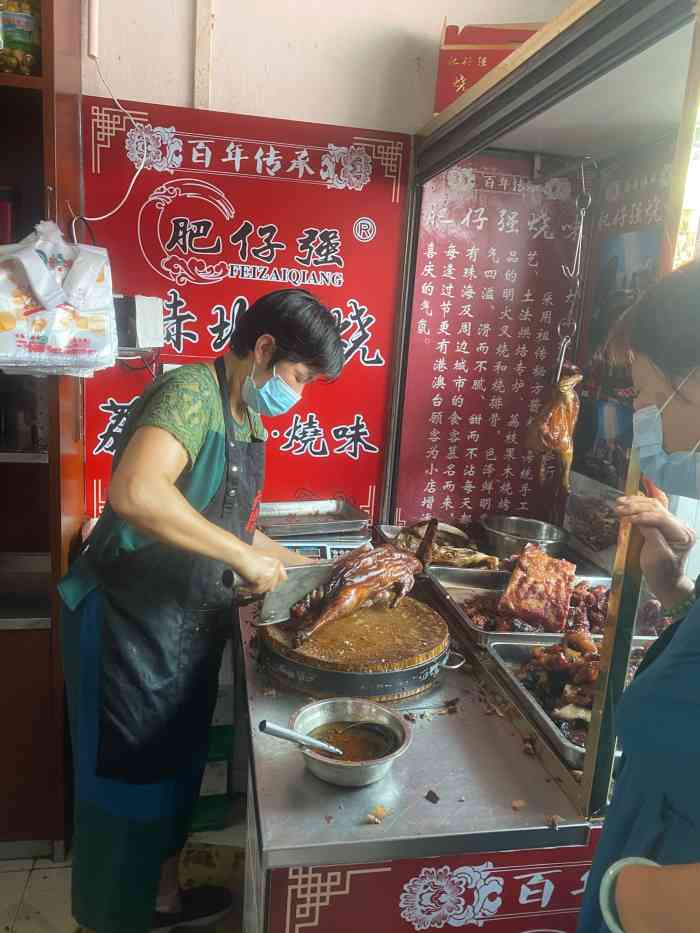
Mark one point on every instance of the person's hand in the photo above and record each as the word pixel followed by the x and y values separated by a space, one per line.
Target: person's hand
pixel 667 543
pixel 261 572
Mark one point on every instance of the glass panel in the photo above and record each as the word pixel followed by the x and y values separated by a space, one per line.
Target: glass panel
pixel 497 449
pixel 489 294
pixel 687 243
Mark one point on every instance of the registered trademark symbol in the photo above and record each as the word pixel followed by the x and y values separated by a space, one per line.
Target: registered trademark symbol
pixel 364 229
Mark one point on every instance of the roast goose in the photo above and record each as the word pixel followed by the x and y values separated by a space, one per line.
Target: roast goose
pixel 367 577
pixel 552 430
pixel 451 548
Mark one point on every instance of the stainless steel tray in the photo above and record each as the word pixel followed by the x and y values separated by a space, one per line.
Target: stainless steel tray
pixel 460 577
pixel 453 585
pixel 311 517
pixel 387 533
pixel 509 656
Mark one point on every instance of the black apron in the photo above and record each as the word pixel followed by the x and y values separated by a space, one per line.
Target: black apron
pixel 167 616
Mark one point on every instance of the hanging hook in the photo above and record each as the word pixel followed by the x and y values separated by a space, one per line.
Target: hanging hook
pixel 583 203
pixel 567 328
pixel 566 331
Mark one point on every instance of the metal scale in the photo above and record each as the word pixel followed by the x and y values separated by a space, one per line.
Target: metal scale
pixel 323 529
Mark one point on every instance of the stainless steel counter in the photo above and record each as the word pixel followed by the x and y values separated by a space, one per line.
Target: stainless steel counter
pixel 473 761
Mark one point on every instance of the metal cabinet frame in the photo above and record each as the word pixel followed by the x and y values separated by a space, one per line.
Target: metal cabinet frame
pixel 587 40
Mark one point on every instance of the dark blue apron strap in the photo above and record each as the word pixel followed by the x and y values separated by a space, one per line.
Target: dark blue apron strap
pixel 232 473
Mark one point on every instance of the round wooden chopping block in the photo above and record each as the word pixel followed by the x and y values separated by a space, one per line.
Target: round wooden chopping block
pixel 368 641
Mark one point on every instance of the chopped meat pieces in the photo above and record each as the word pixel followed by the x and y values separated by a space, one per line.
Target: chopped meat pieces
pixel 483 612
pixel 451 547
pixel 377 816
pixel 562 678
pixel 579 695
pixel 593 521
pixel 588 610
pixel 580 641
pixel 651 618
pixel 555 821
pixel 539 590
pixel 636 659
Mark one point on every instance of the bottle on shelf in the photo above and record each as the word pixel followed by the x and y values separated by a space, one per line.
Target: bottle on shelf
pixel 20 37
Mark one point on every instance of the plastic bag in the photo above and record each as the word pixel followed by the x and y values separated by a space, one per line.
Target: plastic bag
pixel 56 306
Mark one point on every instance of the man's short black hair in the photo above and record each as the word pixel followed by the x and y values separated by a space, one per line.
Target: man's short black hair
pixel 304 330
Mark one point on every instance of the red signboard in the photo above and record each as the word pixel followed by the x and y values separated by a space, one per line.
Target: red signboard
pixel 230 207
pixel 108 396
pixel 467 54
pixel 530 891
pixel 488 297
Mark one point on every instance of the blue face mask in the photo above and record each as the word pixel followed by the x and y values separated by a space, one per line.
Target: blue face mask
pixel 678 474
pixel 274 398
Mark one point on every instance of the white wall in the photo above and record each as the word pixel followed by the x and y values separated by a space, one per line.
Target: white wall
pixel 368 63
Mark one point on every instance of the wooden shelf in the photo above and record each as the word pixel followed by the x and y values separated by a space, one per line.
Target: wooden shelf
pixel 44 512
pixel 22 456
pixel 31 82
pixel 23 614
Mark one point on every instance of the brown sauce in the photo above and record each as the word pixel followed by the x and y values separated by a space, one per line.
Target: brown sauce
pixel 362 743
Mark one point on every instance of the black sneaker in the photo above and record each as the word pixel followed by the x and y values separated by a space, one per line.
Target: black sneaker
pixel 200 907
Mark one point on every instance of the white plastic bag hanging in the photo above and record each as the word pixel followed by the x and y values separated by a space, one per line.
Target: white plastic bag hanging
pixel 56 305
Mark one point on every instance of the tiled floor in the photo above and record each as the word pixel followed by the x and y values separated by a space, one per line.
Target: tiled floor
pixel 35 897
pixel 35 893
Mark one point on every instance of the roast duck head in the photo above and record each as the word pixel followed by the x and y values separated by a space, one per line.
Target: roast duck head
pixel 367 577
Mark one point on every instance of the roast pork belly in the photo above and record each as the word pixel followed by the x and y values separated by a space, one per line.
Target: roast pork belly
pixel 539 590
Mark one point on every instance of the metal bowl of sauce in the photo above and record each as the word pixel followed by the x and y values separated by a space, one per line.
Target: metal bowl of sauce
pixel 506 535
pixel 369 749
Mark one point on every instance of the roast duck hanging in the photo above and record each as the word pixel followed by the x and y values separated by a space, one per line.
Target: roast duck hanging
pixel 552 430
pixel 368 577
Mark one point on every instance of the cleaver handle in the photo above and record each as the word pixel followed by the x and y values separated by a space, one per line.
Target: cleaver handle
pixel 241 596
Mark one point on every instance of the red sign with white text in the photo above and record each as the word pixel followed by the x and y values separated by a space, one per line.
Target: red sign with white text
pixel 489 294
pixel 108 396
pixel 526 891
pixel 470 52
pixel 228 208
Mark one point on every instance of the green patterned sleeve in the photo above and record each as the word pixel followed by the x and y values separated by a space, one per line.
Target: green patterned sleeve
pixel 184 403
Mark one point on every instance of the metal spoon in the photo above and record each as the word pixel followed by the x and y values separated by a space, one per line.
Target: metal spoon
pixel 289 735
